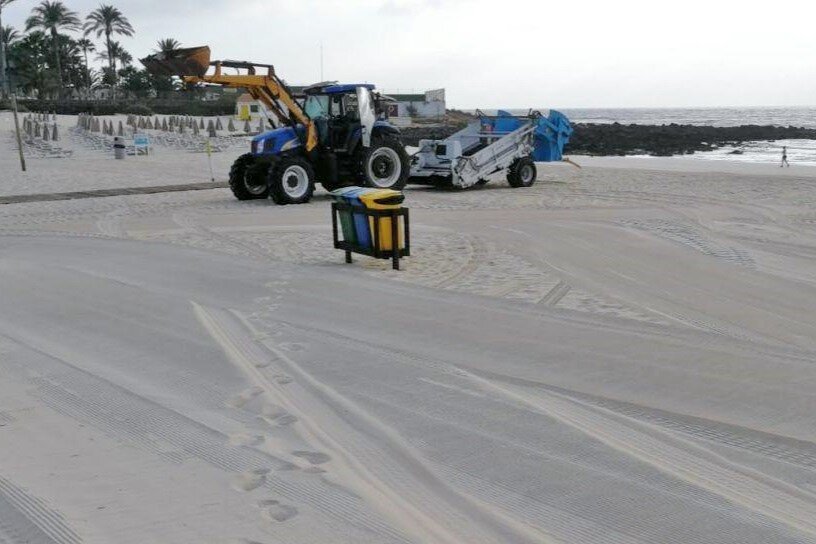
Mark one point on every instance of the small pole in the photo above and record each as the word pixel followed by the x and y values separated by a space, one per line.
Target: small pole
pixel 395 249
pixel 209 159
pixel 17 131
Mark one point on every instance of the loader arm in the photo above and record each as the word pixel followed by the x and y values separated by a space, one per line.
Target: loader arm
pixel 268 89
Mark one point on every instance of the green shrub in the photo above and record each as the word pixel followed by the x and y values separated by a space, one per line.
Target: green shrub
pixel 138 109
pixel 196 108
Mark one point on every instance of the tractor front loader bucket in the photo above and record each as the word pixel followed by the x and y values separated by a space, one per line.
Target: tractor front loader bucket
pixel 193 62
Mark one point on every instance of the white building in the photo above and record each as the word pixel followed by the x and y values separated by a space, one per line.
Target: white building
pixel 248 109
pixel 428 105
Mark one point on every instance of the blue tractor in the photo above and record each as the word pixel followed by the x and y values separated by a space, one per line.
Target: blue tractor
pixel 354 147
pixel 332 136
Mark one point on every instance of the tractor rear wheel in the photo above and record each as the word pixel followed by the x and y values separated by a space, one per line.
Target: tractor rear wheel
pixel 386 164
pixel 522 173
pixel 291 181
pixel 247 179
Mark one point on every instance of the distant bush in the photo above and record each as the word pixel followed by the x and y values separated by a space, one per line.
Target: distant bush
pixel 6 105
pixel 145 107
pixel 139 109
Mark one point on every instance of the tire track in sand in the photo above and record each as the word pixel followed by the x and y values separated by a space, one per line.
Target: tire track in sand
pixel 420 518
pixel 28 519
pixel 147 424
pixel 673 455
pixel 189 223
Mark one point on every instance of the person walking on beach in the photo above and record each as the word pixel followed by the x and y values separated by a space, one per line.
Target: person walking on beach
pixel 784 157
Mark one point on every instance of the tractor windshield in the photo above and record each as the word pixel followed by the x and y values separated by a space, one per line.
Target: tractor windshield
pixel 317 106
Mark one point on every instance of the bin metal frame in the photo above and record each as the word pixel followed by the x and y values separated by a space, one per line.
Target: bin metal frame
pixel 395 254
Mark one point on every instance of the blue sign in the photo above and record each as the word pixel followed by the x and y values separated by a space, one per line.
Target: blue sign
pixel 142 144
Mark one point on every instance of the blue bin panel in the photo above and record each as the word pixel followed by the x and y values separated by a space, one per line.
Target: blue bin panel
pixel 352 196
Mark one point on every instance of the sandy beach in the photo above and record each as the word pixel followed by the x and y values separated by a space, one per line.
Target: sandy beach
pixel 623 353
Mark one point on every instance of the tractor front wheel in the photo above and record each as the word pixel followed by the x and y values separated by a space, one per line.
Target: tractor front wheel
pixel 291 181
pixel 247 179
pixel 386 164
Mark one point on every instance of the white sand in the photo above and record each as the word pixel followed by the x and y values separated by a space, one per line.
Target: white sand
pixel 697 163
pixel 91 168
pixel 620 354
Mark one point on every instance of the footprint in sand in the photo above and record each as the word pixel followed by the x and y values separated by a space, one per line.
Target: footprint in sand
pixel 251 479
pixel 244 439
pixel 313 457
pixel 240 400
pixel 277 416
pixel 282 380
pixel 275 511
pixel 292 346
pixel 282 420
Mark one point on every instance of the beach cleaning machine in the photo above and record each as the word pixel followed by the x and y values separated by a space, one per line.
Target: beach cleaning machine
pixel 492 144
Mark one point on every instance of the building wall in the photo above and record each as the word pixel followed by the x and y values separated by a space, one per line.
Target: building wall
pixel 422 109
pixel 430 105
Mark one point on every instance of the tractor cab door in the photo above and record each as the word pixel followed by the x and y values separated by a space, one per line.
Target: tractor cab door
pixel 367 115
pixel 344 119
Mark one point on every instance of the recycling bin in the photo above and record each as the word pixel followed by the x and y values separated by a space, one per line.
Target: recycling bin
pixel 384 199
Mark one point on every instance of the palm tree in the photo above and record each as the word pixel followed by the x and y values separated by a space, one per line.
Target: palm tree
pixel 116 53
pixel 51 17
pixel 168 45
pixel 8 35
pixel 125 58
pixel 108 20
pixel 3 46
pixel 86 46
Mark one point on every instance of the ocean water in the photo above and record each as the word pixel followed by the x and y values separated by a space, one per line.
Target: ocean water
pixel 718 117
pixel 799 151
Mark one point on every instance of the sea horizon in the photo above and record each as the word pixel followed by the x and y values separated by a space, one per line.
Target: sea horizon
pixel 797 116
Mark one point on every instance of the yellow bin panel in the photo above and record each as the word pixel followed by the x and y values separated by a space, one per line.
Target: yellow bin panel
pixel 374 200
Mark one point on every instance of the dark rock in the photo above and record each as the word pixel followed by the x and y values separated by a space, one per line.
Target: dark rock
pixel 673 139
pixel 412 135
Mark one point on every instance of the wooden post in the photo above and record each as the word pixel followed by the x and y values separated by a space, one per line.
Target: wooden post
pixel 209 158
pixel 17 131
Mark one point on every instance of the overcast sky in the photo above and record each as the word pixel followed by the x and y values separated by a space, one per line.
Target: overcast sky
pixel 507 53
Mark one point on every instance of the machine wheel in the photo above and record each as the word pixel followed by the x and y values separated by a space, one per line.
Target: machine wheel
pixel 386 164
pixel 522 173
pixel 291 181
pixel 247 179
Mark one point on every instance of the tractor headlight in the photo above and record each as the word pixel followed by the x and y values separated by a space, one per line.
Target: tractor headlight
pixel 291 144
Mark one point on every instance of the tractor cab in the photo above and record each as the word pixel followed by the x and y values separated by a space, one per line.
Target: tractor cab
pixel 343 115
